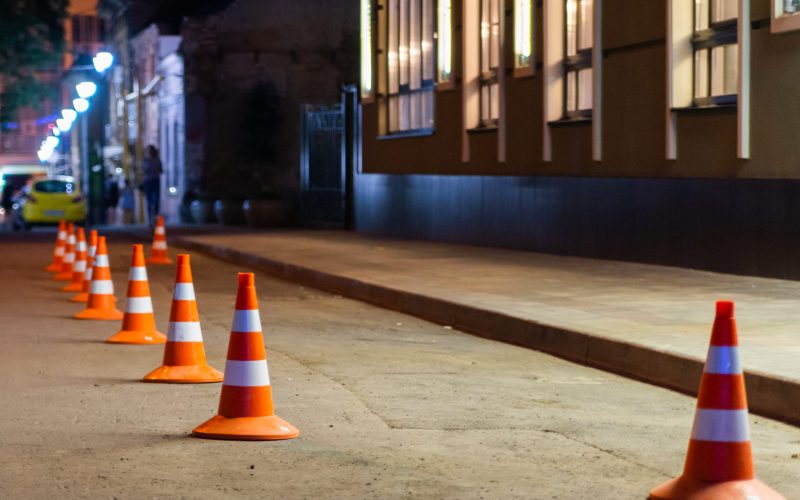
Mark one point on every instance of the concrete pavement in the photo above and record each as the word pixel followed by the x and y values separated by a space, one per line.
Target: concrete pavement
pixel 644 321
pixel 389 406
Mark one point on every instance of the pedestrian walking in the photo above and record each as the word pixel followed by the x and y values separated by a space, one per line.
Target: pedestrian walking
pixel 112 199
pixel 127 202
pixel 152 169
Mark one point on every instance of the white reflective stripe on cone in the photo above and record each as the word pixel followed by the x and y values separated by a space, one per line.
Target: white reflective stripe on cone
pixel 160 230
pixel 88 275
pixel 139 305
pixel 729 426
pixel 69 258
pixel 62 235
pixel 81 246
pixel 183 291
pixel 246 373
pixel 71 240
pixel 80 266
pixel 159 245
pixel 101 261
pixel 137 274
pixel 60 251
pixel 92 251
pixel 184 331
pixel 723 360
pixel 101 287
pixel 246 320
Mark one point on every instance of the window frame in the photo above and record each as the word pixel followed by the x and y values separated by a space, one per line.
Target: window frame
pixel 426 85
pixel 718 34
pixel 528 69
pixel 490 77
pixel 581 60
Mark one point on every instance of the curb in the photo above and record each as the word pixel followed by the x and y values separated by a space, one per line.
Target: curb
pixel 768 395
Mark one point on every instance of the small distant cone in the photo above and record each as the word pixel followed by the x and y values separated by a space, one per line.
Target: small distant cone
pixel 58 252
pixel 719 463
pixel 101 291
pixel 158 252
pixel 83 295
pixel 79 268
pixel 245 407
pixel 184 354
pixel 68 262
pixel 138 324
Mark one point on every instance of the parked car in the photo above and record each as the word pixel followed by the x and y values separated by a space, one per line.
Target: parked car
pixel 47 201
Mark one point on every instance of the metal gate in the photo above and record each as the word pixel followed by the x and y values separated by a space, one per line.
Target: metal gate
pixel 323 173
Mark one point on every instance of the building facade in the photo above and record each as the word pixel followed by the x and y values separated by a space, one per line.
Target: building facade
pixel 660 131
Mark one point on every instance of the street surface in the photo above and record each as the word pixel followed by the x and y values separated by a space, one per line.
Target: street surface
pixel 389 406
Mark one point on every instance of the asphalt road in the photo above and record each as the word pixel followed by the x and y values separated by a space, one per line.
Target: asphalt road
pixel 389 406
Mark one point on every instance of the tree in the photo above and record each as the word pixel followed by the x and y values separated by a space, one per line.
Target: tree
pixel 31 41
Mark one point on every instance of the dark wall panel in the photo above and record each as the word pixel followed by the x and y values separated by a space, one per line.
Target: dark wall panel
pixel 736 226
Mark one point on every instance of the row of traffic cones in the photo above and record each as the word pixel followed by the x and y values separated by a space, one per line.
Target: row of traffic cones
pixel 718 465
pixel 246 409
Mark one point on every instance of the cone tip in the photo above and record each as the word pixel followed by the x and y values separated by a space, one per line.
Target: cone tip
pixel 247 279
pixel 725 309
pixel 183 259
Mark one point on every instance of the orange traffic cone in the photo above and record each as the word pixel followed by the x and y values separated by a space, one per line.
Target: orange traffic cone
pixel 184 354
pixel 719 463
pixel 245 405
pixel 158 252
pixel 100 304
pixel 83 295
pixel 79 268
pixel 138 324
pixel 58 252
pixel 68 261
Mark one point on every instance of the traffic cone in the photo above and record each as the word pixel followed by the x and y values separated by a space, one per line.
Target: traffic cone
pixel 68 262
pixel 184 354
pixel 100 304
pixel 79 268
pixel 245 405
pixel 83 295
pixel 58 252
pixel 158 252
pixel 138 324
pixel 719 463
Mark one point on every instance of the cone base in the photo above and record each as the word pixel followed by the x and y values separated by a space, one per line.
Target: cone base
pixel 684 488
pixel 73 287
pixel 158 260
pixel 271 428
pixel 103 314
pixel 137 337
pixel 192 374
pixel 53 268
pixel 81 297
pixel 63 276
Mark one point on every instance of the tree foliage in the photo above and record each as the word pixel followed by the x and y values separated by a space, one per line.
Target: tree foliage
pixel 31 40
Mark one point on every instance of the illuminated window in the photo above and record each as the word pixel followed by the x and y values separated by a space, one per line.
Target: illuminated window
pixel 366 48
pixel 785 15
pixel 523 33
pixel 410 65
pixel 578 36
pixel 715 52
pixel 490 61
pixel 444 38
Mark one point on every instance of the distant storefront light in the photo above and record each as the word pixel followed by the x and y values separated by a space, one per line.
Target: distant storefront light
pixel 69 114
pixel 523 33
pixel 80 104
pixel 86 89
pixel 102 61
pixel 366 48
pixel 444 40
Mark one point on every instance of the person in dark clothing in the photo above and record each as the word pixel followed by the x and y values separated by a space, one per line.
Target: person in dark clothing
pixel 112 199
pixel 152 170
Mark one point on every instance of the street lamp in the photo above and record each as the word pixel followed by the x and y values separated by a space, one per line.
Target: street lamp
pixel 63 125
pixel 80 104
pixel 51 141
pixel 102 61
pixel 86 89
pixel 69 114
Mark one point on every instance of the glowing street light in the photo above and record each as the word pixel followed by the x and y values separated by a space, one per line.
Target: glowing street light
pixel 56 131
pixel 44 154
pixel 51 141
pixel 86 89
pixel 80 104
pixel 69 114
pixel 63 124
pixel 102 61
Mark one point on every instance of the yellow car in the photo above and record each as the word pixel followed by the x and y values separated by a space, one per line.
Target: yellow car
pixel 46 201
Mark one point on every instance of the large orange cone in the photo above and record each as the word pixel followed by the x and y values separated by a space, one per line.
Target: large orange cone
pixel 58 252
pixel 68 262
pixel 83 295
pixel 719 463
pixel 158 252
pixel 184 354
pixel 245 406
pixel 79 268
pixel 138 324
pixel 101 291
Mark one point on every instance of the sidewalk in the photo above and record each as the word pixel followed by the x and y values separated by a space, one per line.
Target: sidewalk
pixel 647 322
